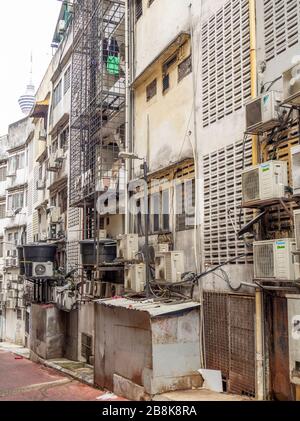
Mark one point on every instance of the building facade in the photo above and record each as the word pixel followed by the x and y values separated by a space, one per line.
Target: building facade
pixel 119 92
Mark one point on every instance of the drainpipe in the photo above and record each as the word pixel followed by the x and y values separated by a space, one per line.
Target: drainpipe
pixel 255 160
pixel 127 111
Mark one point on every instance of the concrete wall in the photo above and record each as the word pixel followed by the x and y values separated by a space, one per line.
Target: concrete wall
pixel 86 322
pixel 47 331
pixel 14 328
pixel 162 124
pixel 172 17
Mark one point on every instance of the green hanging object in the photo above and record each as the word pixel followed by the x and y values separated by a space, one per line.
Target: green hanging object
pixel 113 65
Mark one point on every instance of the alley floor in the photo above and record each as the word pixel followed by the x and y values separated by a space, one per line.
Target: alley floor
pixel 23 380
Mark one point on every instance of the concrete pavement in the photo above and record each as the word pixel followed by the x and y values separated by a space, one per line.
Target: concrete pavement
pixel 23 380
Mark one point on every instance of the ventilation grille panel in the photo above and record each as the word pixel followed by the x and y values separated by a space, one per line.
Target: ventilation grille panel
pixel 264 260
pixel 250 185
pixel 281 21
pixel 225 61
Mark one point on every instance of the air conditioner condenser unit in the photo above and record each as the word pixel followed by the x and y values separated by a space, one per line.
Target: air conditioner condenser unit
pixel 274 259
pixel 42 269
pixel 263 113
pixel 265 181
pixel 291 85
pixel 127 246
pixel 135 277
pixel 169 266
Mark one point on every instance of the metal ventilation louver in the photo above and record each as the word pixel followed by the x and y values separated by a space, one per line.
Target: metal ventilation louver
pixel 264 260
pixel 250 185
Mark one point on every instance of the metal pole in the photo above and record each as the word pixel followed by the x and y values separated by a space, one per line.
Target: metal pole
pixel 145 168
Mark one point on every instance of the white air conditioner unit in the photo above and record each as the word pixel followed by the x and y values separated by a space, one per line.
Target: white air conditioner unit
pixel 42 269
pixel 169 266
pixel 274 259
pixel 59 156
pixel 61 27
pixel 43 134
pixel 162 248
pixel 263 113
pixel 55 215
pixel 127 246
pixel 53 165
pixel 97 289
pixel 295 161
pixel 291 85
pixel 89 288
pixel 265 181
pixel 102 234
pixel 135 277
pixel 40 184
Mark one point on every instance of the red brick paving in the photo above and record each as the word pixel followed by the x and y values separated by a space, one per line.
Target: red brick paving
pixel 22 373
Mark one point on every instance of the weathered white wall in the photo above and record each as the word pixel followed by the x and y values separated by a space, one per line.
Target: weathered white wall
pixel 14 328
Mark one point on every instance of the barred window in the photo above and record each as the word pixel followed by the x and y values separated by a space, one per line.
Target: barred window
pixel 151 90
pixel 185 68
pixel 2 210
pixel 57 94
pixel 67 79
pixel 3 174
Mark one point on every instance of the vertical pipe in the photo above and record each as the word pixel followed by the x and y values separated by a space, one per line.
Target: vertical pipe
pixel 255 159
pixel 127 114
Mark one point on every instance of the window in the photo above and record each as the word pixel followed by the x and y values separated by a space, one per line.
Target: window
pixel 64 139
pixel 10 237
pixel 2 210
pixel 16 236
pixel 185 205
pixel 185 68
pixel 166 83
pixel 57 94
pixel 138 9
pixel 67 79
pixel 150 2
pixel 15 201
pixel 1 247
pixel 151 90
pixel 3 174
pixel 63 200
pixel 160 211
pixel 19 314
pixel 86 346
pixel 16 162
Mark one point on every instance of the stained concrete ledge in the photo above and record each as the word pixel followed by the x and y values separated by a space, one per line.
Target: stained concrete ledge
pixel 198 395
pixel 79 371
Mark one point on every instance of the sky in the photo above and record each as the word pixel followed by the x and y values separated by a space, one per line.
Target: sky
pixel 25 26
